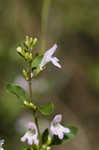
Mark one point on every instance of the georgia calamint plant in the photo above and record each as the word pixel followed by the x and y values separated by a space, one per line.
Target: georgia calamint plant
pixel 56 133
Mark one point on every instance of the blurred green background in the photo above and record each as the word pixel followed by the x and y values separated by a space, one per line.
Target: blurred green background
pixel 74 26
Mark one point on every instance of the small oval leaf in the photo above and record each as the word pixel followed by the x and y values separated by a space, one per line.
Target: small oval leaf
pixel 17 90
pixel 37 61
pixel 47 109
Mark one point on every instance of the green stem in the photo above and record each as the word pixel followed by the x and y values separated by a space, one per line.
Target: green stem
pixel 44 20
pixel 36 122
pixel 30 82
pixel 30 91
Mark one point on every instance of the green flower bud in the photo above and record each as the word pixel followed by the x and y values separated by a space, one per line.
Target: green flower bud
pixel 35 41
pixel 31 75
pixel 45 147
pixel 20 51
pixel 27 43
pixel 48 148
pixel 30 40
pixel 25 74
pixel 30 105
pixel 28 56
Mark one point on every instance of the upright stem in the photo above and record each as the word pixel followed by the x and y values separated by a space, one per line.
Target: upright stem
pixel 44 18
pixel 30 91
pixel 36 122
pixel 30 82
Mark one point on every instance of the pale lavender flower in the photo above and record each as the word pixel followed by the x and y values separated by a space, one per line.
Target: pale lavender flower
pixel 31 135
pixel 49 58
pixel 1 143
pixel 56 128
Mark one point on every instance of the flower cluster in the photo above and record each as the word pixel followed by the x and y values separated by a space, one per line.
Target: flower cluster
pixel 55 128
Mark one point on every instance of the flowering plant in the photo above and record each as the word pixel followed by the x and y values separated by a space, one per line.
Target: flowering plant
pixel 56 133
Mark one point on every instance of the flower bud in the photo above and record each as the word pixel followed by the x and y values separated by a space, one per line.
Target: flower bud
pixel 27 43
pixel 45 147
pixel 20 51
pixel 28 56
pixel 30 105
pixel 25 74
pixel 35 41
pixel 31 75
pixel 48 148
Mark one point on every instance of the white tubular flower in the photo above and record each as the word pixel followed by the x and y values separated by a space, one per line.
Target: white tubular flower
pixel 56 128
pixel 49 58
pixel 1 143
pixel 31 135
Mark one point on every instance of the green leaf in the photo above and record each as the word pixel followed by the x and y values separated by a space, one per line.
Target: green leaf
pixel 45 136
pixel 73 133
pixel 47 109
pixel 17 90
pixel 67 136
pixel 37 61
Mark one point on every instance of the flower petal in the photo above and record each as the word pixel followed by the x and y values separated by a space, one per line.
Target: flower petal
pixel 57 118
pixel 35 140
pixel 53 130
pixel 26 136
pixel 51 51
pixel 23 139
pixel 60 134
pixel 55 60
pixel 63 129
pixel 30 141
pixel 31 125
